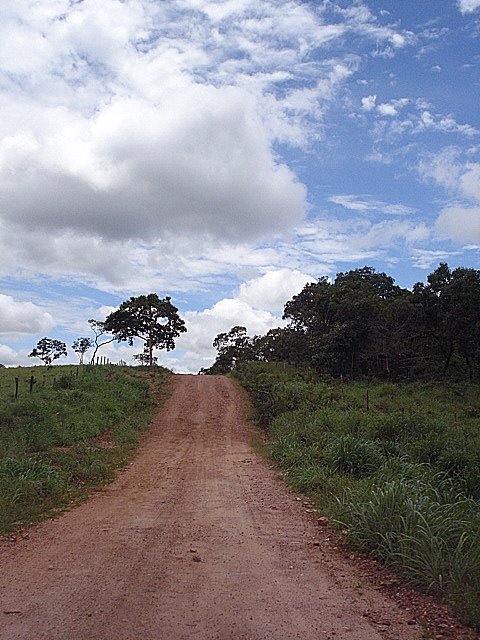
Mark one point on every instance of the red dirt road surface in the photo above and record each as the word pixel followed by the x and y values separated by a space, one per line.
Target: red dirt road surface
pixel 195 539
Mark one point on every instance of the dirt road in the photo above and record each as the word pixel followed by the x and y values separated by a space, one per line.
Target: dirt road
pixel 196 539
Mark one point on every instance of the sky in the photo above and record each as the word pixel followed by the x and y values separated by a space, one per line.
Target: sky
pixel 225 153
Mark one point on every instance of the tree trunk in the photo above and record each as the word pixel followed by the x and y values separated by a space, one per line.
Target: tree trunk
pixel 468 360
pixel 150 351
pixel 97 347
pixel 449 357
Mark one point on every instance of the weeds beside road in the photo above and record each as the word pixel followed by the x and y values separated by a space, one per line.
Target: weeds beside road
pixel 77 426
pixel 397 466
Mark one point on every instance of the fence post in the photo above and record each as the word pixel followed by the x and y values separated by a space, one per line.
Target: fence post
pixel 32 382
pixel 16 388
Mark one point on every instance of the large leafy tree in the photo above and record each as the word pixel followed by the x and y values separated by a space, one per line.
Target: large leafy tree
pixel 337 319
pixel 451 303
pixel 149 318
pixel 48 350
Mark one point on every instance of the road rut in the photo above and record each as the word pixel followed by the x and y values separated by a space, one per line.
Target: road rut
pixel 195 539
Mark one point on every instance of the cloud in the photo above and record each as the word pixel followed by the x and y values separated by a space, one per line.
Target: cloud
pixel 442 167
pixel 22 317
pixel 393 107
pixel 8 356
pixel 154 168
pixel 139 123
pixel 468 6
pixel 272 290
pixel 175 264
pixel 428 258
pixel 360 19
pixel 401 116
pixel 452 171
pixel 367 203
pixel 195 346
pixel 368 102
pixel 386 109
pixel 130 120
pixel 458 221
pixel 447 124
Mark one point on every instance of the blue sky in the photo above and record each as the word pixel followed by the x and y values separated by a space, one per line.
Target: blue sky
pixel 225 153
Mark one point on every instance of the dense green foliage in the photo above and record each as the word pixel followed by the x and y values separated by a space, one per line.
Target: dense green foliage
pixel 397 465
pixel 362 325
pixel 76 427
pixel 153 320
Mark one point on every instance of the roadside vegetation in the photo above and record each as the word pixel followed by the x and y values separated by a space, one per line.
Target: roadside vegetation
pixel 68 431
pixel 395 462
pixel 362 324
pixel 395 465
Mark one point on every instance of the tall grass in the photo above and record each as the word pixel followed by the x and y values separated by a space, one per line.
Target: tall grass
pixel 397 466
pixel 72 432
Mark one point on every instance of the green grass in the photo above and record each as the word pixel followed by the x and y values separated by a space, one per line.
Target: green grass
pixel 76 428
pixel 396 465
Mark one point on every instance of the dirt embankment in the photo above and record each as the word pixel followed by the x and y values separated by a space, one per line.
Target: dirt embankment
pixel 196 539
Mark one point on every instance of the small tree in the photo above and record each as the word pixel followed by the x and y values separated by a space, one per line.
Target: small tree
pixel 149 318
pixel 48 350
pixel 81 346
pixel 144 359
pixel 99 330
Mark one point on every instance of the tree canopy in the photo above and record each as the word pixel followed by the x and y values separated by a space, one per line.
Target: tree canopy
pixel 363 324
pixel 48 350
pixel 149 318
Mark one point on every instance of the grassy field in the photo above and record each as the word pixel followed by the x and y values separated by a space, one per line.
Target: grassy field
pixel 397 466
pixel 76 427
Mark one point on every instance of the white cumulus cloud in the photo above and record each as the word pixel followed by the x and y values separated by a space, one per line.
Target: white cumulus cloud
pixel 8 356
pixel 459 221
pixel 368 102
pixel 272 290
pixel 202 327
pixel 468 6
pixel 22 317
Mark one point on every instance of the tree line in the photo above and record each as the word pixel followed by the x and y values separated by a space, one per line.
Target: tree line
pixel 363 324
pixel 153 320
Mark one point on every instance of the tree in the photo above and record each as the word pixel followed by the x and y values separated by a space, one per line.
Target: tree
pixel 233 346
pixel 338 321
pixel 451 306
pixel 149 318
pixel 452 299
pixel 48 350
pixel 81 346
pixel 282 344
pixel 143 358
pixel 99 330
